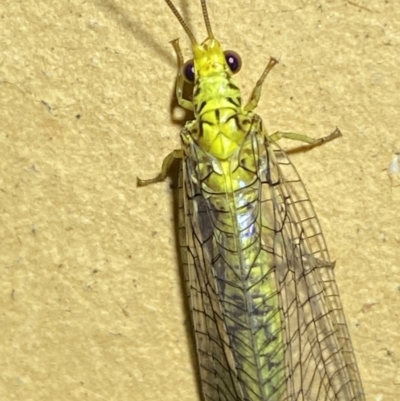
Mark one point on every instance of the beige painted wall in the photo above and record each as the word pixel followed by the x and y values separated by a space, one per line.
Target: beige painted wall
pixel 90 298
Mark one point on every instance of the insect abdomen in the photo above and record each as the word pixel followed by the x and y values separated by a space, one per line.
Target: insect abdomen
pixel 243 268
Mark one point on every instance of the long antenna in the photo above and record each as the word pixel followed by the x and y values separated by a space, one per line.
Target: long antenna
pixel 182 21
pixel 206 19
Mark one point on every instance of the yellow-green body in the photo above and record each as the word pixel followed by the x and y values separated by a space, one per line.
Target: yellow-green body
pixel 223 167
pixel 267 318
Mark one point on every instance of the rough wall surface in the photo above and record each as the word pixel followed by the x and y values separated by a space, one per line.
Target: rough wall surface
pixel 91 302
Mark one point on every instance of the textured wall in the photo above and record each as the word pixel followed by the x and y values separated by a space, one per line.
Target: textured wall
pixel 91 303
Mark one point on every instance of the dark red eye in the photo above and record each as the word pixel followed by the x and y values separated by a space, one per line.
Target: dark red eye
pixel 233 60
pixel 188 71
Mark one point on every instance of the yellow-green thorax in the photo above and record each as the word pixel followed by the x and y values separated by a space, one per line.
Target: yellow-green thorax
pixel 216 100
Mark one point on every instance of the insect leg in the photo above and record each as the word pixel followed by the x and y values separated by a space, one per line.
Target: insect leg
pixel 186 104
pixel 255 97
pixel 176 154
pixel 313 142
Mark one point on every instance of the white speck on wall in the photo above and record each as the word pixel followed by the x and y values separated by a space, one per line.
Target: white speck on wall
pixel 394 166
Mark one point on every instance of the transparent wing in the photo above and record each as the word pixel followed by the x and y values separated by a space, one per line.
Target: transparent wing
pixel 216 364
pixel 319 358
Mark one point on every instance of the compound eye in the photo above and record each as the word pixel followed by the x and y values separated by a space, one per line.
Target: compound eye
pixel 188 71
pixel 233 60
